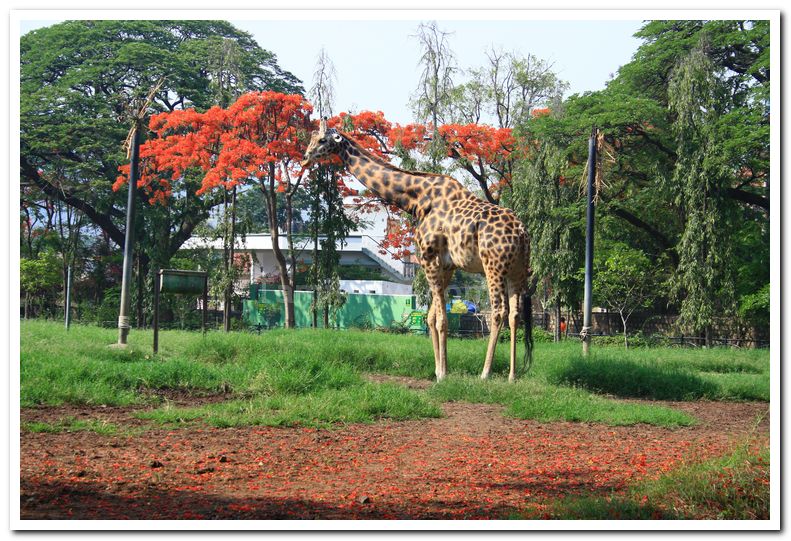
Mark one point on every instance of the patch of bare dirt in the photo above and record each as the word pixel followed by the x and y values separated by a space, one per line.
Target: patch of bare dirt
pixel 473 463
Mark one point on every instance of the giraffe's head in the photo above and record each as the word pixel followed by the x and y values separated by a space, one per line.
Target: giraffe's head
pixel 323 143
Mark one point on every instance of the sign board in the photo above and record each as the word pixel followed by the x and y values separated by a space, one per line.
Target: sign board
pixel 182 282
pixel 179 282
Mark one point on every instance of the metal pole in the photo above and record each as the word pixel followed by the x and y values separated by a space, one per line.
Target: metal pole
pixel 586 322
pixel 155 323
pixel 126 279
pixel 68 297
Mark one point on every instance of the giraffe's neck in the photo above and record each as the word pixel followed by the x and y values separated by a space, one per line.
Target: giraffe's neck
pixel 409 192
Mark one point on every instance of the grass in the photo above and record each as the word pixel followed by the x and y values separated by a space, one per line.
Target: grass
pixel 733 487
pixel 73 425
pixel 316 377
pixel 536 399
pixel 361 404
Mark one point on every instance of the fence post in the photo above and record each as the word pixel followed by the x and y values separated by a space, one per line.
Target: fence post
pixel 155 323
pixel 205 302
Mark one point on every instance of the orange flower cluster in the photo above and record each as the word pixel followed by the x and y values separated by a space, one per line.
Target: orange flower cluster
pixel 230 146
pixel 476 141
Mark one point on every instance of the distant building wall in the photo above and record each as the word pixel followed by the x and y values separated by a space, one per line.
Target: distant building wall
pixel 359 310
pixel 375 287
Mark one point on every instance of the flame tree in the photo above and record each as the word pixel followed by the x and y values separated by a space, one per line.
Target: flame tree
pixel 257 140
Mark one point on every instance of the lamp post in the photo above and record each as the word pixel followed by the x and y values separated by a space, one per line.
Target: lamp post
pixel 588 302
pixel 126 278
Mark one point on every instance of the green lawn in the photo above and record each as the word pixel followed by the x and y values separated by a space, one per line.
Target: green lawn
pixel 316 377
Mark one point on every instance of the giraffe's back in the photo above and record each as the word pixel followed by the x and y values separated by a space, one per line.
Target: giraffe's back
pixel 474 235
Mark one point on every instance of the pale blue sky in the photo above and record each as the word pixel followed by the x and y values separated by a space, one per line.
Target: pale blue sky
pixel 377 60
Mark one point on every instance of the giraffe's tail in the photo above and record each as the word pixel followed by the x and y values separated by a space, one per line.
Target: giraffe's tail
pixel 527 319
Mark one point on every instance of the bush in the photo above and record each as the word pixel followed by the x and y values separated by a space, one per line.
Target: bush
pixel 539 335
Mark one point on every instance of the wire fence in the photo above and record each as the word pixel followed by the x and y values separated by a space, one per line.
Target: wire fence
pixel 477 326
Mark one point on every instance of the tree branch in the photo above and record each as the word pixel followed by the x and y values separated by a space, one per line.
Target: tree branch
pixel 102 220
pixel 653 232
pixel 749 198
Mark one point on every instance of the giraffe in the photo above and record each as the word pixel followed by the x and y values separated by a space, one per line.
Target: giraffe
pixel 455 230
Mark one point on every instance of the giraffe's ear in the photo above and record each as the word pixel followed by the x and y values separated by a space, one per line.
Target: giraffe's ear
pixel 337 137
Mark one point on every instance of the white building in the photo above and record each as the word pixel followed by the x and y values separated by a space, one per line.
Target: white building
pixel 362 247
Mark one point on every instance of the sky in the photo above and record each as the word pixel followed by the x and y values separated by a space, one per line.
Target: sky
pixel 376 61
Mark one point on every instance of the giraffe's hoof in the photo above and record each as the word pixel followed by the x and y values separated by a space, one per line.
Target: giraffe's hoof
pixel 485 376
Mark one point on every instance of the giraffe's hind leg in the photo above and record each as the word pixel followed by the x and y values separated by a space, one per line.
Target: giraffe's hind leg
pixel 513 322
pixel 497 299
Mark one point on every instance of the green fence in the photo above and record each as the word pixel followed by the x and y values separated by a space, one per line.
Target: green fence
pixel 265 309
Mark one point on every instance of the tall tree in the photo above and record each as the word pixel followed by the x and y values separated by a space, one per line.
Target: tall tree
pixel 258 140
pixel 431 100
pixel 647 165
pixel 549 204
pixel 704 281
pixel 77 80
pixel 328 218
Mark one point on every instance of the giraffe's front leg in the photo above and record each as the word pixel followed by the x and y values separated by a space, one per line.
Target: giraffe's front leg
pixel 437 318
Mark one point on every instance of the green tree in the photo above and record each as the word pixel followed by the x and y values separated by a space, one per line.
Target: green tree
pixel 656 156
pixel 78 80
pixel 625 280
pixel 704 279
pixel 39 278
pixel 552 210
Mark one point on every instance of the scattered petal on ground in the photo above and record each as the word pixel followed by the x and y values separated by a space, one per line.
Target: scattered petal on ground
pixel 473 464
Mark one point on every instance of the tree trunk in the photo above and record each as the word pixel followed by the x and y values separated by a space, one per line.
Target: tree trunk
pixel 557 322
pixel 229 240
pixel 625 339
pixel 707 335
pixel 292 257
pixel 141 281
pixel 27 303
pixel 326 317
pixel 270 195
pixel 315 277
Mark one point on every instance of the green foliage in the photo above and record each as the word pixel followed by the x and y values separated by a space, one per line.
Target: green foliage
pixel 421 288
pixel 80 82
pixel 40 279
pixel 539 335
pixel 704 278
pixel 684 164
pixel 550 208
pixel 40 274
pixel 625 280
pixel 755 307
pixel 329 226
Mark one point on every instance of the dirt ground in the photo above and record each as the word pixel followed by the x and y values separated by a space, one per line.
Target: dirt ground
pixel 474 463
